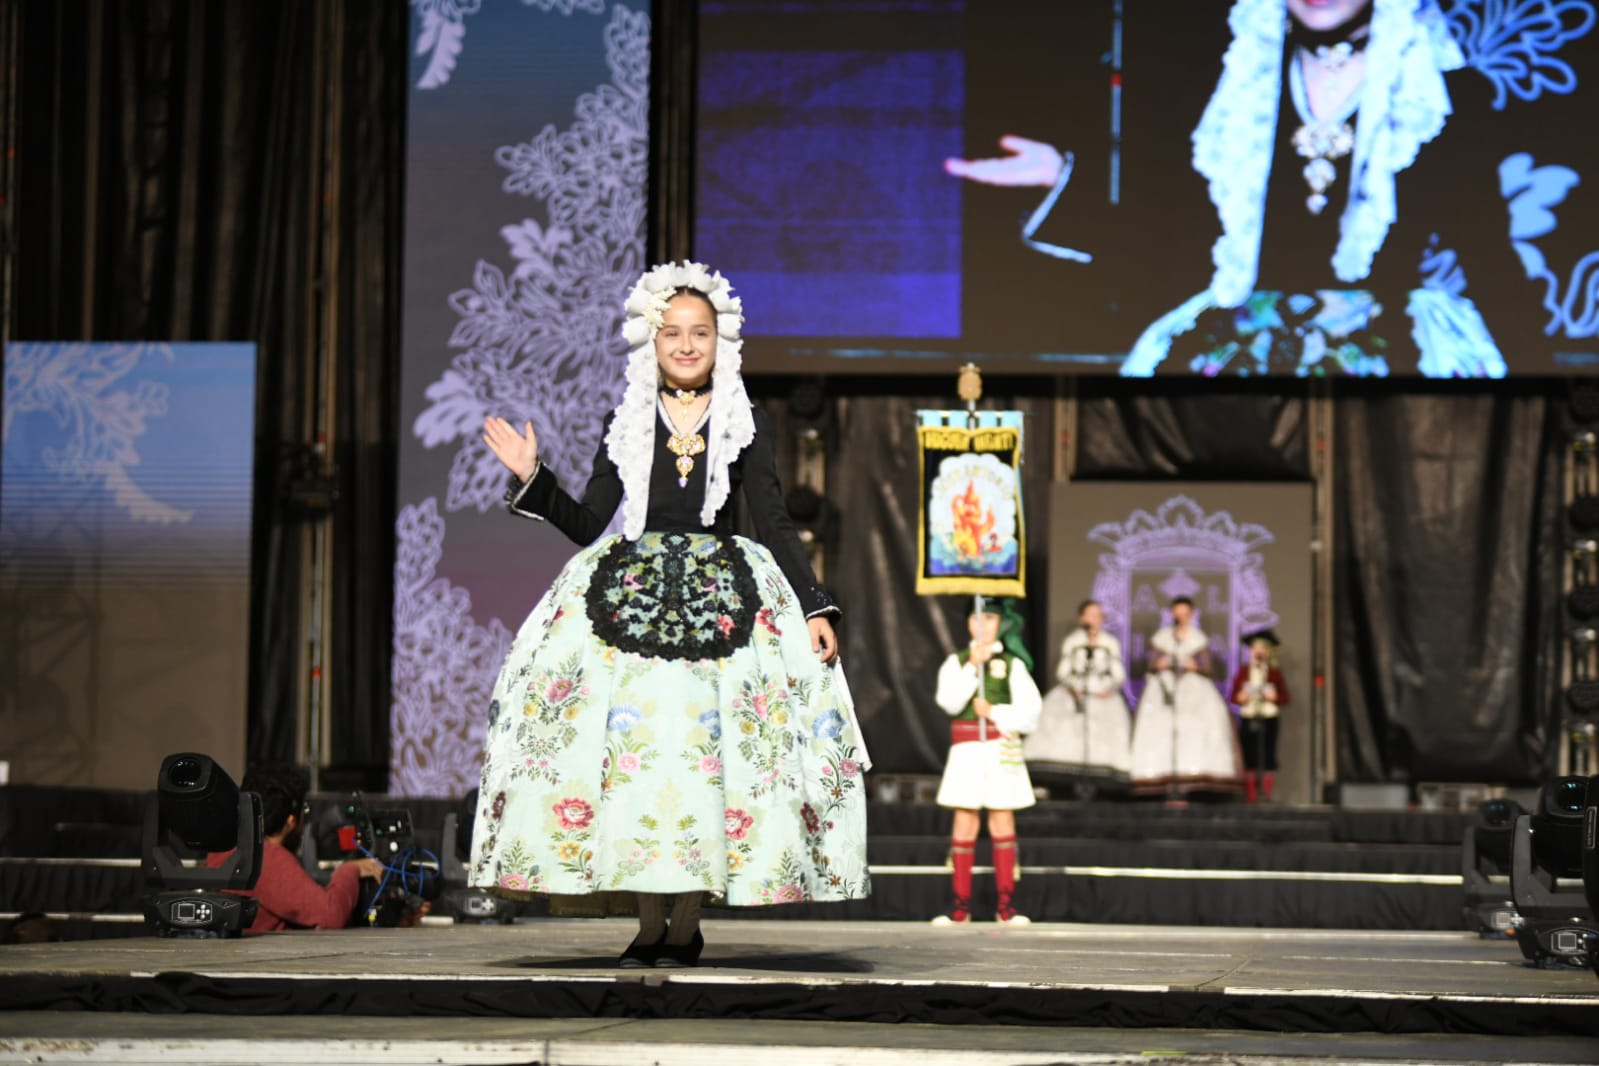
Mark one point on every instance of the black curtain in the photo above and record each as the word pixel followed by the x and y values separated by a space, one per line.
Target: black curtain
pixel 196 170
pixel 1448 544
pixel 1447 571
pixel 1160 429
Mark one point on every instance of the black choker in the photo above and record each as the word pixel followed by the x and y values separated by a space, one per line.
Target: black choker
pixel 686 398
pixel 1349 38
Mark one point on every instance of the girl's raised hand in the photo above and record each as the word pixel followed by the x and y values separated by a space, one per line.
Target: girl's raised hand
pixel 518 451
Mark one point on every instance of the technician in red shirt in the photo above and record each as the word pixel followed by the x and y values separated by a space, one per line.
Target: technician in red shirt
pixel 290 897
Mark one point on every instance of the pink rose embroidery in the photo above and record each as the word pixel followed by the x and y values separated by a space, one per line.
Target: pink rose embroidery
pixel 738 824
pixel 790 894
pixel 558 690
pixel 514 882
pixel 574 813
pixel 849 767
pixel 725 624
pixel 710 765
pixel 627 762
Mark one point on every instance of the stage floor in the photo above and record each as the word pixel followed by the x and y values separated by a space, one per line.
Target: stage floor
pixel 1043 975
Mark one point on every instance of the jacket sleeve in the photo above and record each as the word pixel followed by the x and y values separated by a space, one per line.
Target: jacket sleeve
pixel 542 497
pixel 763 491
pixel 957 684
pixel 1275 677
pixel 1021 714
pixel 1067 666
pixel 295 897
pixel 1240 680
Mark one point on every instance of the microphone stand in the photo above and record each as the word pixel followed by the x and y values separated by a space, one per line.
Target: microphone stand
pixel 1080 694
pixel 1173 792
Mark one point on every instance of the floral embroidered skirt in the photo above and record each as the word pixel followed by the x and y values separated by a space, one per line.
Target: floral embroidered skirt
pixel 661 724
pixel 1331 332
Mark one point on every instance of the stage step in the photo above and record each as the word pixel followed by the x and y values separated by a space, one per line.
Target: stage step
pixel 212 1039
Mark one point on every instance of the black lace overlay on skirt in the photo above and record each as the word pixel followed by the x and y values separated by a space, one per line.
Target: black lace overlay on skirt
pixel 674 596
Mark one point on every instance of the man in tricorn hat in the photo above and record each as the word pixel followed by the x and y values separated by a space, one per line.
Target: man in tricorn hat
pixel 1260 693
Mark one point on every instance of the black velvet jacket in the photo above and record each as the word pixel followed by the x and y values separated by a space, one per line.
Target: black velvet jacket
pixel 676 509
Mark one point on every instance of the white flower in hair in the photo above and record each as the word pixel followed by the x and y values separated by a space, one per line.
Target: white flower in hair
pixel 655 310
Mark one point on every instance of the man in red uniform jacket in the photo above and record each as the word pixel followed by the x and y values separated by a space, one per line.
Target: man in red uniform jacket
pixel 290 897
pixel 1260 693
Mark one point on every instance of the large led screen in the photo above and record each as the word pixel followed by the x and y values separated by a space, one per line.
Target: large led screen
pixel 1263 187
pixel 126 473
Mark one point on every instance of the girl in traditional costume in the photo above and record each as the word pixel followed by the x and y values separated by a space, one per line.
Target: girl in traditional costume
pixel 1183 734
pixel 671 719
pixel 988 690
pixel 1084 730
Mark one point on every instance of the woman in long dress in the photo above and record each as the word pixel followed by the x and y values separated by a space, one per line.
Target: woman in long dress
pixel 1347 150
pixel 671 719
pixel 1085 729
pixel 1182 709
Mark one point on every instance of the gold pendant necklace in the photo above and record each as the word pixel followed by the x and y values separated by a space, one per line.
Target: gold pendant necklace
pixel 685 446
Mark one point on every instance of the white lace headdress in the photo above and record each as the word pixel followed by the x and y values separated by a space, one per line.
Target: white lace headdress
pixel 631 440
pixel 1403 105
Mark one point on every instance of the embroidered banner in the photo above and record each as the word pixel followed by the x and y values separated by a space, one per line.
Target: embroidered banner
pixel 970 535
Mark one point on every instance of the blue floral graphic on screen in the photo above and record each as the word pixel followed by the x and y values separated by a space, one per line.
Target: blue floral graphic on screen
pixel 441 35
pixel 544 339
pixel 99 416
pixel 538 336
pixel 1533 192
pixel 1513 43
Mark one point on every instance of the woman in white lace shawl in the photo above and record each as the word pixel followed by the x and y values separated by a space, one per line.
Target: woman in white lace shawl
pixel 1183 736
pixel 1338 253
pixel 1084 733
pixel 671 719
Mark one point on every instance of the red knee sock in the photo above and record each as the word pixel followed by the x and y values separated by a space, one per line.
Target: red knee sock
pixel 1249 786
pixel 1005 874
pixel 960 853
pixel 1265 784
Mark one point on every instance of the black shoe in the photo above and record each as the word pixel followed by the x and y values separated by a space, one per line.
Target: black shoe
pixel 637 956
pixel 670 955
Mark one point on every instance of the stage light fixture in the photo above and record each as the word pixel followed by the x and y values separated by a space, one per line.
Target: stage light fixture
pixel 1583 402
pixel 1582 598
pixel 808 400
pixel 198 804
pixel 1582 694
pixel 1557 827
pixel 1494 831
pixel 1485 868
pixel 1554 925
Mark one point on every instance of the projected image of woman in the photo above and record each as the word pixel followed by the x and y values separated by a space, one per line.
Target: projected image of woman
pixel 671 719
pixel 1183 732
pixel 1337 252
